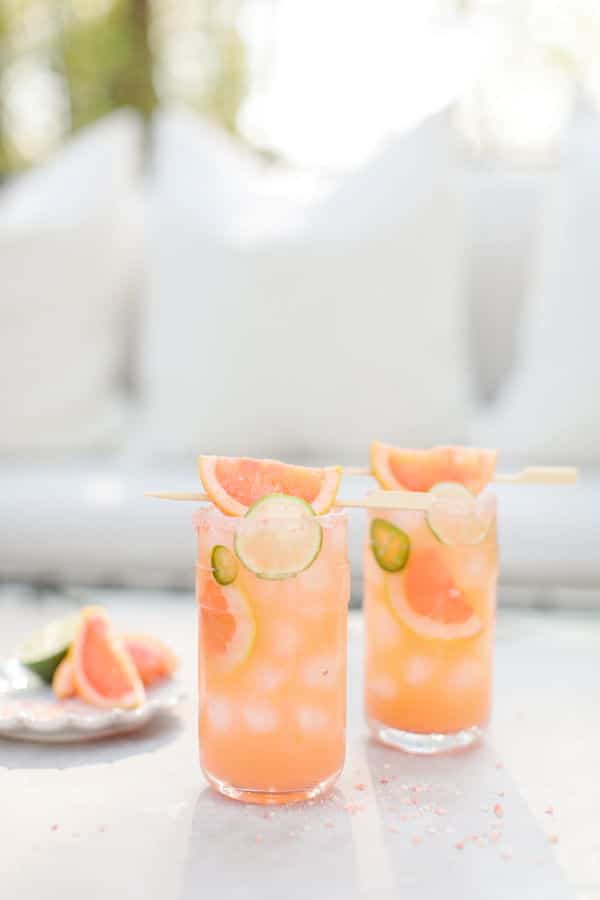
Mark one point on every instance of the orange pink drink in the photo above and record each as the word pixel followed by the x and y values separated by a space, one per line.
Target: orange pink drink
pixel 429 600
pixel 272 592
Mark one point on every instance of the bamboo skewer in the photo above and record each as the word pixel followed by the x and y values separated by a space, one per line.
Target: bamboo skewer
pixel 417 500
pixel 528 475
pixel 412 500
pixel 540 475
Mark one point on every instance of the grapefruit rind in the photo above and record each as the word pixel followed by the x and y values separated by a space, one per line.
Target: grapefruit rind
pixel 118 660
pixel 279 537
pixel 456 516
pixel 259 478
pixel 422 469
pixel 425 626
pixel 390 545
pixel 63 682
pixel 236 605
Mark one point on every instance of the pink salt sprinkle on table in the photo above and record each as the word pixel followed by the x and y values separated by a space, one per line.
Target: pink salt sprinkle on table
pixel 360 786
pixel 498 810
pixel 460 845
pixel 354 808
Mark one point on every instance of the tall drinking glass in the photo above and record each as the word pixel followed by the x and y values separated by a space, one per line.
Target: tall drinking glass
pixel 429 600
pixel 272 660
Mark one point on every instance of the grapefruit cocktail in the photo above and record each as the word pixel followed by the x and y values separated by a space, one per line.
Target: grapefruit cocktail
pixel 429 599
pixel 272 589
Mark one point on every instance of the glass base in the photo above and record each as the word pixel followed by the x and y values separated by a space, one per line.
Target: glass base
pixel 424 744
pixel 268 798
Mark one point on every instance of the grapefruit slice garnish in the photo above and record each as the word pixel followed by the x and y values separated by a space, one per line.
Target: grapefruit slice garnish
pixel 228 628
pixel 390 545
pixel 104 672
pixel 457 517
pixel 279 537
pixel 427 599
pixel 419 470
pixel 152 658
pixel 234 484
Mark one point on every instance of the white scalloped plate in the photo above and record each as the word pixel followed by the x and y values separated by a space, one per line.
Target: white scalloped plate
pixel 29 710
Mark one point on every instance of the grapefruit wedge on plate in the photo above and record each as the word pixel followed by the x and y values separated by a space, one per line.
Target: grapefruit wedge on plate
pixel 103 671
pixel 227 625
pixel 152 658
pixel 419 470
pixel 426 598
pixel 234 484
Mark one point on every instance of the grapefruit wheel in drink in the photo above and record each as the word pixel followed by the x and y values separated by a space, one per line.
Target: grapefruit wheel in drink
pixel 428 600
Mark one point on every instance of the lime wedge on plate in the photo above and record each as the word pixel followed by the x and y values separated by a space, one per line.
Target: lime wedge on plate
pixel 45 650
pixel 456 516
pixel 390 545
pixel 223 564
pixel 279 537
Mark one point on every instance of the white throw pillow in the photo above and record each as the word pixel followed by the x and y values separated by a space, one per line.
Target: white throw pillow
pixel 290 321
pixel 67 248
pixel 549 411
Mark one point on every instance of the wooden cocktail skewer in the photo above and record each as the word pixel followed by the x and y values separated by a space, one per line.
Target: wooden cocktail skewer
pixel 540 475
pixel 375 500
pixel 419 500
pixel 528 475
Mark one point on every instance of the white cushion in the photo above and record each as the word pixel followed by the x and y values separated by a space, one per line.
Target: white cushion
pixel 90 522
pixel 289 324
pixel 549 410
pixel 504 217
pixel 67 245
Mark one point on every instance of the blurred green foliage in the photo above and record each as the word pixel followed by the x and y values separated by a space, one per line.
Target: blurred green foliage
pixel 107 63
pixel 106 54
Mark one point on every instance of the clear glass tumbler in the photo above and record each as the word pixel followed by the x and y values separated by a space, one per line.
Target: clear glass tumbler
pixel 272 665
pixel 429 602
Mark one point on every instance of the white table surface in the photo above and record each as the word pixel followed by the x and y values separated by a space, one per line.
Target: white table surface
pixel 133 818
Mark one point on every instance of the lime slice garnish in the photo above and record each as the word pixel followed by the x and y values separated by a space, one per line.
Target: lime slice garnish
pixel 223 564
pixel 456 516
pixel 45 650
pixel 279 537
pixel 390 545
